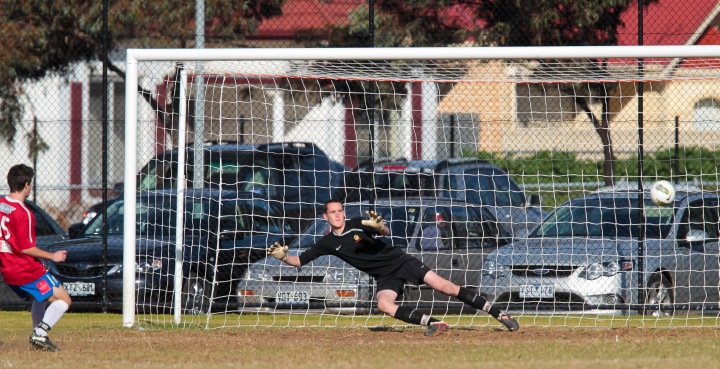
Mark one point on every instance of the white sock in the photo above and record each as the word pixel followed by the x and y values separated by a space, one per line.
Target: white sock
pixel 37 311
pixel 52 314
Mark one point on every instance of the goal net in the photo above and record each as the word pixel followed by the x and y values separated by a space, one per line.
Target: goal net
pixel 516 172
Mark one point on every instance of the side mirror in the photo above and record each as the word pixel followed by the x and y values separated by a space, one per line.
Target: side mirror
pixel 118 189
pixel 696 235
pixel 227 234
pixel 535 200
pixel 75 229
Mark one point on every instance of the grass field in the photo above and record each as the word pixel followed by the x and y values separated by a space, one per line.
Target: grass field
pixel 99 341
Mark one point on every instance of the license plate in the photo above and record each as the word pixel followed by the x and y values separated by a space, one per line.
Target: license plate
pixel 80 288
pixel 292 297
pixel 537 291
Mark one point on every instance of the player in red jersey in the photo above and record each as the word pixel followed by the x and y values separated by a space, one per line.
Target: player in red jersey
pixel 20 259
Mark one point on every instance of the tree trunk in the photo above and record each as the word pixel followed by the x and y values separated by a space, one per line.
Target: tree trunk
pixel 602 127
pixel 162 114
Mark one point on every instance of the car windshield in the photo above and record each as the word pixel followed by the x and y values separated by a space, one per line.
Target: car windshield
pixel 401 220
pixel 156 216
pixel 486 188
pixel 250 215
pixel 274 174
pixel 607 217
pixel 156 212
pixel 389 183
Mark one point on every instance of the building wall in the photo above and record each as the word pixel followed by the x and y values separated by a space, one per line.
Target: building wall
pixel 560 126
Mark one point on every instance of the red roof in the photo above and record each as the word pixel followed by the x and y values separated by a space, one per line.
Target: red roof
pixel 710 37
pixel 666 22
pixel 307 15
pixel 310 15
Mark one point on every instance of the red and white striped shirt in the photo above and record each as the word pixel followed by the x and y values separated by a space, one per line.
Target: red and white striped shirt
pixel 17 233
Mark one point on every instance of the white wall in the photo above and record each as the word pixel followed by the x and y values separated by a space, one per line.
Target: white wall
pixel 325 126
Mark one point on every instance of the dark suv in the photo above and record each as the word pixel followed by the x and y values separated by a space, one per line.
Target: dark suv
pixel 475 181
pixel 299 174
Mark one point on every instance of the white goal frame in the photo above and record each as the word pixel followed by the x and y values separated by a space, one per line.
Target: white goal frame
pixel 134 56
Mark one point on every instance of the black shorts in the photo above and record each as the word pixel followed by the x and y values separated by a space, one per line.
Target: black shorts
pixel 409 269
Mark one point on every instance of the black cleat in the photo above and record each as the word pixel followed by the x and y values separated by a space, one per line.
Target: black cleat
pixel 436 328
pixel 42 343
pixel 509 322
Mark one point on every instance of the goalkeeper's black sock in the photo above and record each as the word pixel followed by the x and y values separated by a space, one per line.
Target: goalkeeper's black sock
pixel 427 320
pixel 408 315
pixel 467 296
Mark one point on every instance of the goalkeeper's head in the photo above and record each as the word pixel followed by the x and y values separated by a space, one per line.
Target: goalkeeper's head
pixel 334 213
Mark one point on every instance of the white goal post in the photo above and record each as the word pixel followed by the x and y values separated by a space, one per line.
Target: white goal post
pixel 501 101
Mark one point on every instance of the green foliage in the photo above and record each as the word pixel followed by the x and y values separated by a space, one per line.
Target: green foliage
pixel 558 176
pixel 10 112
pixel 547 166
pixel 36 144
pixel 561 168
pixel 47 36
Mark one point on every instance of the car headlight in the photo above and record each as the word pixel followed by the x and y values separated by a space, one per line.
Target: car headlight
pixel 115 269
pixel 494 270
pixel 253 274
pixel 597 270
pixel 349 276
pixel 148 266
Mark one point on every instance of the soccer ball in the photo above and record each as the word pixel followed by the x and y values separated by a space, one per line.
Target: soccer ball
pixel 662 193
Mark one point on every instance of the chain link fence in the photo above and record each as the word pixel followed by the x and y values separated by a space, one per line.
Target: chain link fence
pixel 554 144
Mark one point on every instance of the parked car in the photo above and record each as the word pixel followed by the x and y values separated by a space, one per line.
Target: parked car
pixel 472 180
pixel 298 173
pixel 468 233
pixel 224 231
pixel 47 232
pixel 585 255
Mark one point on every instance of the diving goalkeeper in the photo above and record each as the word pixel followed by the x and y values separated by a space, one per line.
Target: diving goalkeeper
pixel 354 242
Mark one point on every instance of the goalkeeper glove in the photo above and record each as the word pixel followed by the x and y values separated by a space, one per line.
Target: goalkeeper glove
pixel 375 221
pixel 278 251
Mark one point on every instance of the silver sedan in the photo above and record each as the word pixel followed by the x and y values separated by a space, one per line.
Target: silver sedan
pixel 585 256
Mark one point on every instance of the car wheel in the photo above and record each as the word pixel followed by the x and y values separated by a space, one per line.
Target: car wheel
pixel 196 294
pixel 660 296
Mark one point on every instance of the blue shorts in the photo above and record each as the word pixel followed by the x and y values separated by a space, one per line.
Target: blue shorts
pixel 41 289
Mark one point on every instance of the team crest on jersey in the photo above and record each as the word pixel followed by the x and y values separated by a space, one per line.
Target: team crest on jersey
pixel 357 238
pixel 7 209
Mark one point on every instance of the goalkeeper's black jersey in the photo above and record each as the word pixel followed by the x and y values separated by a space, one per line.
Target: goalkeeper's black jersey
pixel 358 247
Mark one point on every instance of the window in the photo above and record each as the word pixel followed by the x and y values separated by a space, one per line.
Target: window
pixel 706 116
pixel 486 187
pixel 93 128
pixel 42 227
pixel 700 215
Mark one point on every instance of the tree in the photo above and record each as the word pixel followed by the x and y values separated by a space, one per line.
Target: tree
pixel 564 23
pixel 508 23
pixel 40 37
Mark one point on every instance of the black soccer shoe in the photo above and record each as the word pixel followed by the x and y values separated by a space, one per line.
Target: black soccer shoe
pixel 436 328
pixel 42 343
pixel 509 322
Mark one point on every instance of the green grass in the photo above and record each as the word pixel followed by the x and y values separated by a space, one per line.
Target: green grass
pixel 277 341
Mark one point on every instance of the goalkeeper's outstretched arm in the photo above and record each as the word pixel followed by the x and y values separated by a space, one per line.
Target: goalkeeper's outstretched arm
pixel 376 221
pixel 280 252
pixel 293 260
